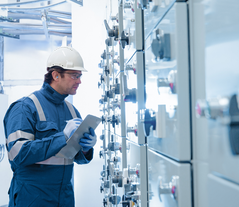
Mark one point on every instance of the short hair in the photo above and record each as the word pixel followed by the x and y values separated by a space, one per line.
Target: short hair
pixel 48 76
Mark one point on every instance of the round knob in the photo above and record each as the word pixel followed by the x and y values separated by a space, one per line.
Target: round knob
pixel 213 108
pixel 168 188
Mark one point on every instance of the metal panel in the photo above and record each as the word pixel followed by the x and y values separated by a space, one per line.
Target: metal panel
pixel 222 192
pixel 220 41
pixel 167 83
pixel 137 158
pixel 162 171
pixel 221 67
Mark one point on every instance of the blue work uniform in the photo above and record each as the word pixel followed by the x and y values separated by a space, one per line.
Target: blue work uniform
pixel 34 135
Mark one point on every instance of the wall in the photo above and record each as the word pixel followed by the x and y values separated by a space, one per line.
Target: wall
pixel 88 38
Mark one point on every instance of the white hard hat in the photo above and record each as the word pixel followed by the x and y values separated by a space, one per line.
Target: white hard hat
pixel 67 58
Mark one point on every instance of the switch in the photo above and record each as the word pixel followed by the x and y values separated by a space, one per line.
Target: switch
pixel 160 129
pixel 168 188
pixel 148 118
pixel 124 40
pixel 111 32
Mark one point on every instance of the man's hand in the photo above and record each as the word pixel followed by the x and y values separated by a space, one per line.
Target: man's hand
pixel 71 127
pixel 88 141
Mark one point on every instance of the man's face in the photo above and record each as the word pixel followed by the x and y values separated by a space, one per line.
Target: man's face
pixel 70 82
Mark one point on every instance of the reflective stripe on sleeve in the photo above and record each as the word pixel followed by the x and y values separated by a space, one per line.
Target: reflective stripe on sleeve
pixel 38 106
pixel 71 108
pixel 20 134
pixel 56 161
pixel 15 149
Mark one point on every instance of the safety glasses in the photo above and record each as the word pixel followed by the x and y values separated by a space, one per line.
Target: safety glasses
pixel 74 76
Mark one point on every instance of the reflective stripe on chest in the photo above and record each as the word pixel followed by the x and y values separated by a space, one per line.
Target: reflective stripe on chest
pixel 52 160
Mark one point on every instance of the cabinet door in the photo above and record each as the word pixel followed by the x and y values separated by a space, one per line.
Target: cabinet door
pixel 167 84
pixel 222 192
pixel 169 182
pixel 221 70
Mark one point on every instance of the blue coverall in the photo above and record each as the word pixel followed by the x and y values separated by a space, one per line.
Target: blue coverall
pixel 34 135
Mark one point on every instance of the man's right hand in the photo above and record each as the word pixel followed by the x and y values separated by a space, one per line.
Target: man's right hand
pixel 71 127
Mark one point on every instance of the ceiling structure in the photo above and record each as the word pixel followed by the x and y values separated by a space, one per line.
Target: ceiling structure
pixel 19 16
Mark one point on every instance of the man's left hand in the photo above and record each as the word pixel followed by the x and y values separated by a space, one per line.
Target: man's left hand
pixel 88 141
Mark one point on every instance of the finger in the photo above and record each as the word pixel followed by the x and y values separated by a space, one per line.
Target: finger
pixel 87 135
pixel 85 141
pixel 77 119
pixel 92 132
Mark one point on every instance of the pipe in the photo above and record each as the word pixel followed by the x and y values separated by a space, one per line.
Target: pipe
pixel 34 8
pixel 36 16
pixel 31 26
pixel 20 3
pixel 122 103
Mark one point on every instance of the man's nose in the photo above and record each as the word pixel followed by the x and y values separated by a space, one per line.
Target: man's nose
pixel 78 80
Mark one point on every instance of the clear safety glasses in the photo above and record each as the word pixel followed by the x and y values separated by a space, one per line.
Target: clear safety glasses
pixel 74 76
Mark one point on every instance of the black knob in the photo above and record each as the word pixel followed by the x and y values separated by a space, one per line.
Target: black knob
pixel 124 40
pixel 148 122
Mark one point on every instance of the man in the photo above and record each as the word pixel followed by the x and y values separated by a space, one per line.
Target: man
pixel 37 127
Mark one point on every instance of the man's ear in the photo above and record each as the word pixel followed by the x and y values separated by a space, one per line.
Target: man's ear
pixel 55 75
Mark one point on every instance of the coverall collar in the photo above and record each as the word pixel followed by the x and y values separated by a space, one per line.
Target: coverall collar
pixel 51 94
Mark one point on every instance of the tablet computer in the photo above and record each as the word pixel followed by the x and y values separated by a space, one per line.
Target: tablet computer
pixel 73 146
